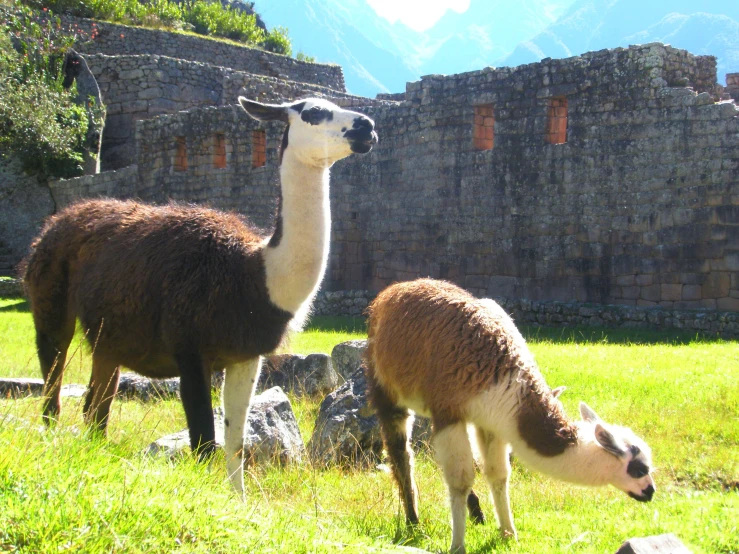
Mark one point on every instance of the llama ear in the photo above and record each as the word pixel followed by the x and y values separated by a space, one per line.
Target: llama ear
pixel 588 414
pixel 559 390
pixel 606 439
pixel 264 112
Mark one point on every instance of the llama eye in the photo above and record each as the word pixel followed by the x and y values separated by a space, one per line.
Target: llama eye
pixel 637 469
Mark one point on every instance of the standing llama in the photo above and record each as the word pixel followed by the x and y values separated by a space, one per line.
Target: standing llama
pixel 185 290
pixel 435 349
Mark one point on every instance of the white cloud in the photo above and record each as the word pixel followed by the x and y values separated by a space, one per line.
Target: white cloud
pixel 419 15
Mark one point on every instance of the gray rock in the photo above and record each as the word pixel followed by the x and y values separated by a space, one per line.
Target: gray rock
pixel 26 386
pixel 311 375
pixel 347 430
pixel 135 386
pixel 347 357
pixel 657 544
pixel 272 433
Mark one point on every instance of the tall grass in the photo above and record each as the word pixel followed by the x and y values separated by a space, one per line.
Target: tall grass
pixel 62 490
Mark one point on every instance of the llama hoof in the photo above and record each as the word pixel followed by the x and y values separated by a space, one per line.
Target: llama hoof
pixel 509 535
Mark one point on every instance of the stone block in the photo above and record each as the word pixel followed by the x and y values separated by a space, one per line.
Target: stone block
pixel 671 292
pixel 658 544
pixel 727 304
pixel 716 285
pixel 692 292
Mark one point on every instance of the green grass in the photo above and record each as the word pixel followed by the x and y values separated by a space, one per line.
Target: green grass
pixel 63 491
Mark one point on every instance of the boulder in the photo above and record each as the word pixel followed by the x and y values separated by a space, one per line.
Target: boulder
pixel 347 430
pixel 132 385
pixel 657 544
pixel 272 433
pixel 26 386
pixel 311 375
pixel 347 357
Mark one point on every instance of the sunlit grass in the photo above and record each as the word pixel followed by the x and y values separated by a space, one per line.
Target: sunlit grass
pixel 61 490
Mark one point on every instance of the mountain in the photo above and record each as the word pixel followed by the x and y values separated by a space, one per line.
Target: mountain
pixel 709 27
pixel 378 56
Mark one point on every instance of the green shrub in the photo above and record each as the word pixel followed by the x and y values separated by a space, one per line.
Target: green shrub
pixel 277 41
pixel 39 120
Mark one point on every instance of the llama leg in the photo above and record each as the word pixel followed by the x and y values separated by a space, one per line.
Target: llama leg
pixel 238 389
pixel 100 394
pixel 454 454
pixel 394 425
pixel 52 341
pixel 497 468
pixel 195 396
pixel 473 505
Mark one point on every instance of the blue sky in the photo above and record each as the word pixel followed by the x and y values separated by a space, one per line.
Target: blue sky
pixel 419 15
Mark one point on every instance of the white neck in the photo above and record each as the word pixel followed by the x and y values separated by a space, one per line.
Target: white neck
pixel 585 462
pixel 294 267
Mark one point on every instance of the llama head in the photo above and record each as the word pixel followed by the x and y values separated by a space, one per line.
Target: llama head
pixel 632 474
pixel 319 133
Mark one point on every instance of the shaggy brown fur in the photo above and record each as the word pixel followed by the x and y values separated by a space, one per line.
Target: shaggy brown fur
pixel 150 285
pixel 434 342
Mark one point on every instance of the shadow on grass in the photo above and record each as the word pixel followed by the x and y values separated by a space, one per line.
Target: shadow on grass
pixel 559 335
pixel 19 306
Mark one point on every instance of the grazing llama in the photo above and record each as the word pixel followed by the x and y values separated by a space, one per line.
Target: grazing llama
pixel 435 349
pixel 184 290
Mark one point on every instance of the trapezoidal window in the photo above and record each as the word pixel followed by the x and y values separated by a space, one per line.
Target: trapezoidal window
pixel 557 120
pixel 258 148
pixel 180 156
pixel 483 135
pixel 219 151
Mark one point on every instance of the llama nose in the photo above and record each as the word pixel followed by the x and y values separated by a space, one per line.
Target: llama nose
pixel 648 493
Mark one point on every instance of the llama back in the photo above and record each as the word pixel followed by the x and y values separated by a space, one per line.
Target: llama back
pixel 137 275
pixel 427 336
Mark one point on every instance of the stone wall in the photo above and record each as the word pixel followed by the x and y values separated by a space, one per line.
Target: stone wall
pixel 237 186
pixel 732 85
pixel 136 87
pixel 24 204
pixel 568 314
pixel 115 184
pixel 640 205
pixel 114 39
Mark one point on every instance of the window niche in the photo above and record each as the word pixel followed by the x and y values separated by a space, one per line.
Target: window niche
pixel 180 157
pixel 483 135
pixel 258 148
pixel 219 151
pixel 557 120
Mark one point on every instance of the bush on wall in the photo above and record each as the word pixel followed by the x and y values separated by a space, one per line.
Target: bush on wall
pixel 40 122
pixel 205 17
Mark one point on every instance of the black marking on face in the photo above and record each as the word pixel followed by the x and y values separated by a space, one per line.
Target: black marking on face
pixel 646 494
pixel 637 469
pixel 362 135
pixel 316 115
pixel 283 145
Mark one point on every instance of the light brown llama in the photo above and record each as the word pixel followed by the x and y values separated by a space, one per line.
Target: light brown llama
pixel 183 290
pixel 436 350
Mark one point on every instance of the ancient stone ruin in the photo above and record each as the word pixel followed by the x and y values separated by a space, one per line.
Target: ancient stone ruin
pixel 607 179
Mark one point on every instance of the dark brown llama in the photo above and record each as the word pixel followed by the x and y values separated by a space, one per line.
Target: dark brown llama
pixel 182 290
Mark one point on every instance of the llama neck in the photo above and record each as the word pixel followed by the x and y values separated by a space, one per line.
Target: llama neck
pixel 295 259
pixel 584 462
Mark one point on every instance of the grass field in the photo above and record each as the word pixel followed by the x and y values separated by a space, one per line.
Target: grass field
pixel 61 490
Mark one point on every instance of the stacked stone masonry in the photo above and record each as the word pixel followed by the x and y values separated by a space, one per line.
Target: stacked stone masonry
pixel 639 207
pixel 569 314
pixel 136 87
pixel 114 39
pixel 732 85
